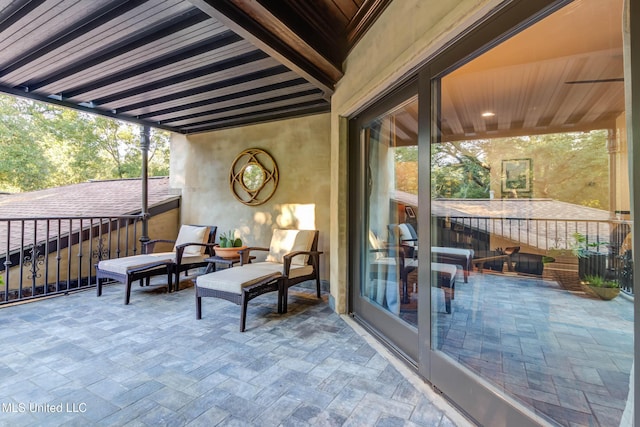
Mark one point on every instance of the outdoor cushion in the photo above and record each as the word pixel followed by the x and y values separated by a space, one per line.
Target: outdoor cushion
pixel 192 234
pixel 126 264
pixel 285 241
pixel 376 246
pixel 273 267
pixel 186 259
pixel 234 279
pixel 408 235
pixel 447 269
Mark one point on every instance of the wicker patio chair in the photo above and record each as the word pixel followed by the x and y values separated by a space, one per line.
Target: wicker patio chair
pixel 192 246
pixel 292 258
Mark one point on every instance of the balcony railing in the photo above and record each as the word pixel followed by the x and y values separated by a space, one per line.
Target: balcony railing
pixel 47 256
pixel 546 237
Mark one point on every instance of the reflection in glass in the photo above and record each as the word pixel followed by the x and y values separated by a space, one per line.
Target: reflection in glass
pixel 253 176
pixel 391 267
pixel 539 191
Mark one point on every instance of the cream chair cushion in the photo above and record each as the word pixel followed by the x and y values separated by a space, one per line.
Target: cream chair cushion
pixel 406 236
pixel 125 264
pixel 233 280
pixel 376 245
pixel 192 234
pixel 285 241
pixel 186 259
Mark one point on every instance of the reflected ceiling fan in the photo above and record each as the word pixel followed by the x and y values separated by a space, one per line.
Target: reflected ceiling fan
pixel 576 82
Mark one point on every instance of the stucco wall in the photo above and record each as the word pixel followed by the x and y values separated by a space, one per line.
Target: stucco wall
pixel 406 35
pixel 200 167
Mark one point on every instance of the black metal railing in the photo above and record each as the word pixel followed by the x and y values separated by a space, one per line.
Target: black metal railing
pixel 547 237
pixel 540 233
pixel 47 256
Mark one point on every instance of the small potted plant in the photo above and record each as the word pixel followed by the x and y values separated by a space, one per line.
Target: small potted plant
pixel 605 289
pixel 591 262
pixel 229 245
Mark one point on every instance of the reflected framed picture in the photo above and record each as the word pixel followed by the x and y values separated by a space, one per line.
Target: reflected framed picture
pixel 516 175
pixel 410 212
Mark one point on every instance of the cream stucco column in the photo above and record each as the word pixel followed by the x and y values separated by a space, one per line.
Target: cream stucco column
pixel 339 214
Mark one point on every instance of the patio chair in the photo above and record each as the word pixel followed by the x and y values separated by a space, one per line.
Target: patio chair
pixel 292 258
pixel 455 256
pixel 388 259
pixel 405 235
pixel 192 246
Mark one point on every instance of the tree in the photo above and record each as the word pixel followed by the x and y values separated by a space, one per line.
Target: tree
pixel 25 164
pixel 43 146
pixel 460 170
pixel 571 167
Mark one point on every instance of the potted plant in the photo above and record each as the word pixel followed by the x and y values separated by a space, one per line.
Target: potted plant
pixel 590 262
pixel 229 245
pixel 605 289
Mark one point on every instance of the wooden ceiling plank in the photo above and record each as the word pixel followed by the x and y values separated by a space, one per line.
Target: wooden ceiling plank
pixel 256 24
pixel 243 94
pixel 247 90
pixel 238 106
pixel 17 11
pixel 206 88
pixel 173 82
pixel 67 34
pixel 262 105
pixel 216 42
pixel 140 39
pixel 362 21
pixel 99 38
pixel 294 111
pixel 119 65
pixel 190 88
pixel 319 22
pixel 346 7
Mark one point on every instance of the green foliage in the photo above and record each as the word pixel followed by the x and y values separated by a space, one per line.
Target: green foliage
pixel 46 146
pixel 460 170
pixel 599 282
pixel 228 240
pixel 580 247
pixel 570 167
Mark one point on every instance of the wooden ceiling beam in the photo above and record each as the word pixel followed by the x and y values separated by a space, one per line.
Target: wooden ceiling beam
pixel 258 25
pixel 364 19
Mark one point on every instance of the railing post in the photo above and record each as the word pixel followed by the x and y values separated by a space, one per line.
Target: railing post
pixel 144 149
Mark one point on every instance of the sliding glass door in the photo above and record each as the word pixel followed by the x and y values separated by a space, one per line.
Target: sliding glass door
pixel 388 157
pixel 529 172
pixel 519 303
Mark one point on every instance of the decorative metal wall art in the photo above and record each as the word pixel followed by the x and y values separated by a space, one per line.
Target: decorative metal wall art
pixel 253 177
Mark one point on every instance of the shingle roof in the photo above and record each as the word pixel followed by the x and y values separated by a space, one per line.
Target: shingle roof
pixel 547 209
pixel 93 198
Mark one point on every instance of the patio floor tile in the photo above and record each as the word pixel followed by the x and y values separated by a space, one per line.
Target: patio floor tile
pixel 152 363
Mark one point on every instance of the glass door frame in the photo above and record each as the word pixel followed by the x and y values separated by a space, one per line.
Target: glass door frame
pixel 376 320
pixel 455 381
pixel 632 75
pixel 466 389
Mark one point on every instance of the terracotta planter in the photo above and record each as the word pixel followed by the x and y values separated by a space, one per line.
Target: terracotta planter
pixel 228 252
pixel 605 293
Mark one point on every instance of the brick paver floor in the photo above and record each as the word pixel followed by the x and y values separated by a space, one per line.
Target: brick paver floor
pixel 80 360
